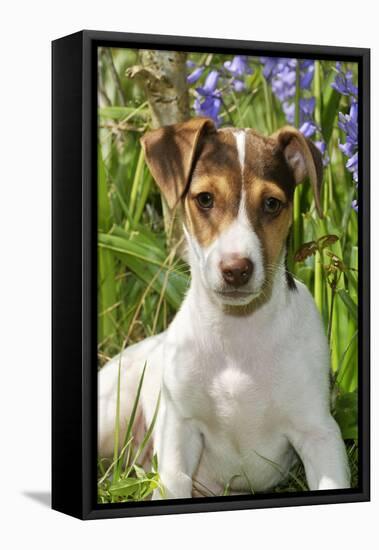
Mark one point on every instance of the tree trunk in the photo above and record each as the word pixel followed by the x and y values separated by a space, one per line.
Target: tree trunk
pixel 164 78
pixel 166 86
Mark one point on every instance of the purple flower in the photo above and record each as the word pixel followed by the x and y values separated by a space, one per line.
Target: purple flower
pixel 343 82
pixel 307 106
pixel 209 99
pixel 289 111
pixel 307 69
pixel 283 83
pixel 321 146
pixel 210 107
pixel 308 128
pixel 281 73
pixel 238 66
pixel 238 85
pixel 195 75
pixel 269 65
pixel 211 103
pixel 348 123
pixel 352 166
pixel 210 84
pixel 347 148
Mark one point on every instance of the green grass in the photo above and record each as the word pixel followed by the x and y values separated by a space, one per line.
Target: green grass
pixel 142 281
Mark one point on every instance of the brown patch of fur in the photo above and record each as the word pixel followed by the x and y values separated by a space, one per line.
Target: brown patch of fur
pixel 272 230
pixel 264 160
pixel 217 171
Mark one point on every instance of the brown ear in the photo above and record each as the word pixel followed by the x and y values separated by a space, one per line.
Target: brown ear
pixel 170 153
pixel 303 158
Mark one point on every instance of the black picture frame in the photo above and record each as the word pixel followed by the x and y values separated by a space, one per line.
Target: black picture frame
pixel 74 271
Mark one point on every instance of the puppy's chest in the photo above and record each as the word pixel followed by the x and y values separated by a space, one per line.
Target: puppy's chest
pixel 227 388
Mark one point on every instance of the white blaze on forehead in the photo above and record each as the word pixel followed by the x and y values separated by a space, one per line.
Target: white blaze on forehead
pixel 240 138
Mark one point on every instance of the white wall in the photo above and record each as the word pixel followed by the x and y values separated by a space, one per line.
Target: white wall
pixel 27 29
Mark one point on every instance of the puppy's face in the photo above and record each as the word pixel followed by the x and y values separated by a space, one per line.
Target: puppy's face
pixel 236 191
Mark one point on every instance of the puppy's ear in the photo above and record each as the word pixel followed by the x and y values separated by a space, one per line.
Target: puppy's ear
pixel 170 153
pixel 303 158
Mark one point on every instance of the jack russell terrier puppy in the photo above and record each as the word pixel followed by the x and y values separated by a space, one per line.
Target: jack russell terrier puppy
pixel 243 369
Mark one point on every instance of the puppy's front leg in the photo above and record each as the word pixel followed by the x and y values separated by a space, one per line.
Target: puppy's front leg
pixel 323 454
pixel 178 444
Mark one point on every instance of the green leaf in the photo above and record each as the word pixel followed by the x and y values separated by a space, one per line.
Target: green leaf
pixel 148 265
pixel 330 110
pixel 349 303
pixel 346 414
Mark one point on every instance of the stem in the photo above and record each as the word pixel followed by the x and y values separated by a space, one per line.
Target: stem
pixel 317 90
pixel 296 199
pixel 115 76
pixel 269 107
pixel 331 313
pixel 135 187
pixel 318 285
pixel 297 96
pixel 317 93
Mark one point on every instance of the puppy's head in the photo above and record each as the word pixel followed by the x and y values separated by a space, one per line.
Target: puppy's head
pixel 235 188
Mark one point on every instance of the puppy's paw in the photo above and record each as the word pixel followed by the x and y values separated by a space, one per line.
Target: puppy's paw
pixel 175 485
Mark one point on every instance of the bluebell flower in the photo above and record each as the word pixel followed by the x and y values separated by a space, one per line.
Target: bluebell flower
pixel 208 101
pixel 211 103
pixel 238 85
pixel 209 107
pixel 343 82
pixel 307 69
pixel 210 84
pixel 307 107
pixel 281 73
pixel 352 166
pixel 238 66
pixel 321 146
pixel 289 111
pixel 195 75
pixel 348 123
pixel 308 128
pixel 269 66
pixel 283 83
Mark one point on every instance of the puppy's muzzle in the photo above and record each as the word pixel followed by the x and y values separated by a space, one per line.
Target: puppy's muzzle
pixel 236 272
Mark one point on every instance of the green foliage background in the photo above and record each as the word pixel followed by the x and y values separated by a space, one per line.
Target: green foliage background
pixel 142 282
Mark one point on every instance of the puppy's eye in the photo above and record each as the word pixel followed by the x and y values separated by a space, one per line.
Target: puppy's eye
pixel 205 200
pixel 271 205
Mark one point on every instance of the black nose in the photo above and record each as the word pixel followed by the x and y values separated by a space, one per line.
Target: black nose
pixel 236 272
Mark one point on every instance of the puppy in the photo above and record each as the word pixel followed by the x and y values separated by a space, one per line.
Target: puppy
pixel 243 369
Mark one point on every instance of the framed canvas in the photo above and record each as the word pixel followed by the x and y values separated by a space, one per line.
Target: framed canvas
pixel 210 275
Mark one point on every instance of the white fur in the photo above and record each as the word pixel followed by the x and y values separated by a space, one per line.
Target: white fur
pixel 239 394
pixel 240 138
